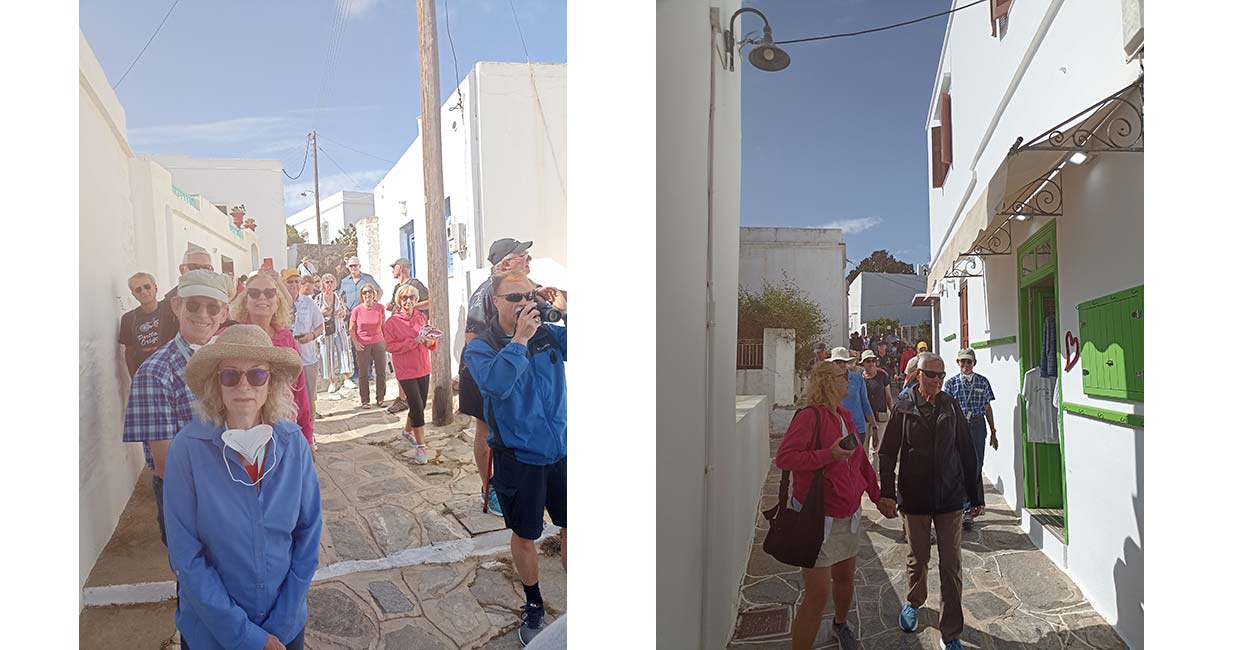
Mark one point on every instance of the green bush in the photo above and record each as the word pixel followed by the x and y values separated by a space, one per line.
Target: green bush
pixel 783 306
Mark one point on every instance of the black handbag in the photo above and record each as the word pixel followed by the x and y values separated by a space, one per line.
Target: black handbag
pixel 795 537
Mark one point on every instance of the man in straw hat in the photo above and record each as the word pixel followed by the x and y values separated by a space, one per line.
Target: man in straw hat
pixel 159 401
pixel 243 562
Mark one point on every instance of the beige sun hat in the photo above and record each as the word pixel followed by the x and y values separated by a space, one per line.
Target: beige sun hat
pixel 247 342
pixel 840 354
pixel 868 354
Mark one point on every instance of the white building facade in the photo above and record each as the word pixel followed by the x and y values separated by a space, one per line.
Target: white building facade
pixel 811 258
pixel 133 217
pixel 872 296
pixel 1035 139
pixel 241 188
pixel 504 143
pixel 337 212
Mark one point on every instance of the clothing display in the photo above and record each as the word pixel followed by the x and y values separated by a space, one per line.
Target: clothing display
pixel 1041 407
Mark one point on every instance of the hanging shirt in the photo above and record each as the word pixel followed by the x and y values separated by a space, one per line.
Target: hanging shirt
pixel 1041 407
pixel 1050 347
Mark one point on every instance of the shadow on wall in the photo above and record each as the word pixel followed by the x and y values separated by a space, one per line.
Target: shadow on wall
pixel 1018 452
pixel 1129 573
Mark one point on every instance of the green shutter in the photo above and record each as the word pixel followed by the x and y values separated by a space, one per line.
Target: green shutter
pixel 1112 345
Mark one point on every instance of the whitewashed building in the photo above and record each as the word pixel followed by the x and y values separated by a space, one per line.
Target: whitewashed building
pixel 241 188
pixel 1035 136
pixel 505 162
pixel 811 258
pixel 132 217
pixel 872 296
pixel 337 212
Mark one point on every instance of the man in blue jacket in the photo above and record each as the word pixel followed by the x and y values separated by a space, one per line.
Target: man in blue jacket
pixel 518 363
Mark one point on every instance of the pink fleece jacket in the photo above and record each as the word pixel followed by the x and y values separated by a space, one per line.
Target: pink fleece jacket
pixel 301 396
pixel 410 359
pixel 843 481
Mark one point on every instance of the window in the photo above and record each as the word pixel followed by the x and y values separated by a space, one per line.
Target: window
pixel 938 171
pixel 999 17
pixel 941 139
pixel 964 313
pixel 1113 345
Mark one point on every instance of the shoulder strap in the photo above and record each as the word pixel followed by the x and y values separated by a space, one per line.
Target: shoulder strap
pixel 784 479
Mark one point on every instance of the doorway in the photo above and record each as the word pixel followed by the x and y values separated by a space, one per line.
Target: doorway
pixel 1038 284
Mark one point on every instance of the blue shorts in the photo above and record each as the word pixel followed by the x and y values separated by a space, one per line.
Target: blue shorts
pixel 525 491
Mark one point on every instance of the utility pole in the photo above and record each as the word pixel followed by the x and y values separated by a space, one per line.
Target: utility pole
pixel 318 216
pixel 436 237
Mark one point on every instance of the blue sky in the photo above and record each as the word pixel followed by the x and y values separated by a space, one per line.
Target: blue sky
pixel 242 79
pixel 838 139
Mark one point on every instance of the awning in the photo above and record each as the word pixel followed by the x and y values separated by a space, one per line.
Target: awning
pixel 925 300
pixel 1027 183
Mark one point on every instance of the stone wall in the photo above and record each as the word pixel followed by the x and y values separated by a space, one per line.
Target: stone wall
pixel 368 246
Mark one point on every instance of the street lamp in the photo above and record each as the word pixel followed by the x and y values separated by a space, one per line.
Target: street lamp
pixel 766 55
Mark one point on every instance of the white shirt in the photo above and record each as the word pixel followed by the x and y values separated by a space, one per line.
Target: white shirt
pixel 306 319
pixel 1041 407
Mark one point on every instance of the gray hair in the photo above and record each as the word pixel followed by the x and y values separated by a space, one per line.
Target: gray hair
pixel 141 274
pixel 925 357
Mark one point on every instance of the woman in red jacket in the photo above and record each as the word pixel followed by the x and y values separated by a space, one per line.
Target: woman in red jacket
pixel 411 358
pixel 846 476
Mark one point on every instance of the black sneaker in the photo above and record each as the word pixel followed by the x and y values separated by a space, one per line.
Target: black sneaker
pixel 531 623
pixel 848 641
pixel 397 406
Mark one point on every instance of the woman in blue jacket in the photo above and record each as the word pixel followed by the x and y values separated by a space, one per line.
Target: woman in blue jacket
pixel 242 500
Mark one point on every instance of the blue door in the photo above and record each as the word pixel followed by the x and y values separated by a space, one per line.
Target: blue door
pixel 407 247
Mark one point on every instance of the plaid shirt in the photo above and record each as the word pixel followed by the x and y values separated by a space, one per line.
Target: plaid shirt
pixel 972 396
pixel 159 401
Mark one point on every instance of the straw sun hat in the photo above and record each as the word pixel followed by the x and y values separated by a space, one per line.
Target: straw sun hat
pixel 247 342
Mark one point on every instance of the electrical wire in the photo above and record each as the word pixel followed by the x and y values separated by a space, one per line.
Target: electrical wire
pixel 339 144
pixel 303 161
pixel 519 34
pixel 148 44
pixel 447 21
pixel 335 36
pixel 878 29
pixel 342 171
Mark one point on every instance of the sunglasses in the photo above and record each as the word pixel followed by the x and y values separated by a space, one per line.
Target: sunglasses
pixel 368 292
pixel 257 293
pixel 253 377
pixel 212 308
pixel 355 266
pixel 932 374
pixel 518 297
pixel 145 287
pixel 199 267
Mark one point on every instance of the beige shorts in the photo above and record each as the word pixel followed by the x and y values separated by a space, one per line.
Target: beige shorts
pixel 841 538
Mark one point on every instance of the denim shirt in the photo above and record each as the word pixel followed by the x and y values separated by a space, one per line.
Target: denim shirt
pixel 858 402
pixel 243 556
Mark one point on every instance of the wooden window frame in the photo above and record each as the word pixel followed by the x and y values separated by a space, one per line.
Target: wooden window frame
pixel 999 10
pixel 964 313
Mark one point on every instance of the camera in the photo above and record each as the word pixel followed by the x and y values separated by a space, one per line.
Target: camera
pixel 549 314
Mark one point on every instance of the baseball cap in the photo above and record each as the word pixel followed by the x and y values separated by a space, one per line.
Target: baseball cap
pixel 921 345
pixel 289 273
pixel 502 248
pixel 966 353
pixel 203 283
pixel 404 261
pixel 840 354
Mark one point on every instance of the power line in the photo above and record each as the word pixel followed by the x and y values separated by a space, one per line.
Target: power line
pixel 390 162
pixel 335 38
pixel 342 171
pixel 447 21
pixel 303 161
pixel 522 36
pixel 879 29
pixel 148 44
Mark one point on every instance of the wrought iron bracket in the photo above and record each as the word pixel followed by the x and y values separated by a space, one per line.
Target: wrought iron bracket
pixel 995 242
pixel 1041 197
pixel 967 266
pixel 1122 128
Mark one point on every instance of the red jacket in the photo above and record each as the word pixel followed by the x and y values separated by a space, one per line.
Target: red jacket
pixel 843 481
pixel 410 359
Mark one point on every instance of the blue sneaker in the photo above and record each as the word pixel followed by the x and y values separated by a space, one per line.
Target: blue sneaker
pixel 493 503
pixel 908 618
pixel 953 645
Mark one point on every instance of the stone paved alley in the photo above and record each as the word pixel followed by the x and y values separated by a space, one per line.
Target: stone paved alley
pixel 1014 596
pixel 408 559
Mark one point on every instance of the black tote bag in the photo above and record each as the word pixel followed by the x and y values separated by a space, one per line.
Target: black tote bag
pixel 795 538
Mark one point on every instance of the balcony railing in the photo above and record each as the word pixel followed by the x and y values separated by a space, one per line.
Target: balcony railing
pixel 749 354
pixel 188 198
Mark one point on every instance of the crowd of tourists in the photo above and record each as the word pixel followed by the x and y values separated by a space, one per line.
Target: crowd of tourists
pixel 928 455
pixel 224 388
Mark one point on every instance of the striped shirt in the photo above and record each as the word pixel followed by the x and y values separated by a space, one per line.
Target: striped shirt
pixel 973 395
pixel 159 401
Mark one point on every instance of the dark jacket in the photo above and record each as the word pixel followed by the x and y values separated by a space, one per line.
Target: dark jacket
pixel 935 456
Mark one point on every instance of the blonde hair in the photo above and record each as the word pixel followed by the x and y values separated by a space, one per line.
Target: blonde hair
pixel 500 278
pixel 279 405
pixel 327 276
pixel 819 390
pixel 284 304
pixel 405 290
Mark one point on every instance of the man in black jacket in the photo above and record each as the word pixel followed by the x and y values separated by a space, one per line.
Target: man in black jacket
pixel 927 441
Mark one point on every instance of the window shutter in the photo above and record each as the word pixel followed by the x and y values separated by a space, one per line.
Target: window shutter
pixel 998 10
pixel 937 169
pixel 964 313
pixel 945 119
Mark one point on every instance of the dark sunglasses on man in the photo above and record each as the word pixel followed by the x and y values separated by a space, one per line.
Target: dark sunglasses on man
pixel 253 377
pixel 212 307
pixel 199 267
pixel 145 287
pixel 933 374
pixel 518 297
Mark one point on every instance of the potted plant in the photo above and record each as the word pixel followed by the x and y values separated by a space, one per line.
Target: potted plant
pixel 249 223
pixel 238 214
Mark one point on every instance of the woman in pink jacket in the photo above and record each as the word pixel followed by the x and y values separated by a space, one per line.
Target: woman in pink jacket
pixel 411 359
pixel 847 474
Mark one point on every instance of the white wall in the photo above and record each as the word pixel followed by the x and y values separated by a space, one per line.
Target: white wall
pixel 259 184
pixel 338 211
pixel 872 296
pixel 697 385
pixel 813 258
pixel 504 162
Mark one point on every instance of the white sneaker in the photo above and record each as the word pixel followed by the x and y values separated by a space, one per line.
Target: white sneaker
pixel 348 383
pixel 333 387
pixel 419 455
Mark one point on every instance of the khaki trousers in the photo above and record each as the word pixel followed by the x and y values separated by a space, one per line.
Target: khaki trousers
pixel 947 526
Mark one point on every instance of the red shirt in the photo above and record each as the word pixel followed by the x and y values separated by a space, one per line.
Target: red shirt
pixel 410 359
pixel 843 481
pixel 368 323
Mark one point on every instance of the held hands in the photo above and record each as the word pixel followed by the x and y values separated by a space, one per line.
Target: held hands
pixel 976 510
pixel 887 507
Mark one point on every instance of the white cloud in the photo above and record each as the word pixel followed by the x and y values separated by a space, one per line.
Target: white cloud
pixel 853 226
pixel 358 8
pixel 356 181
pixel 230 130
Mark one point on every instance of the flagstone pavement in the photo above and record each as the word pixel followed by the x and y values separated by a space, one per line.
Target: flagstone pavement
pixel 1014 596
pixel 407 559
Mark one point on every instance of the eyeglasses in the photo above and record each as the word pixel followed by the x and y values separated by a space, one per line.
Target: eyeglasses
pixel 264 293
pixel 932 374
pixel 199 267
pixel 212 307
pixel 145 287
pixel 253 377
pixel 368 293
pixel 518 297
pixel 355 266
pixel 407 299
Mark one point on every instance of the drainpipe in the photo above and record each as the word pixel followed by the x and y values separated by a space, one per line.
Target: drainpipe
pixel 707 447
